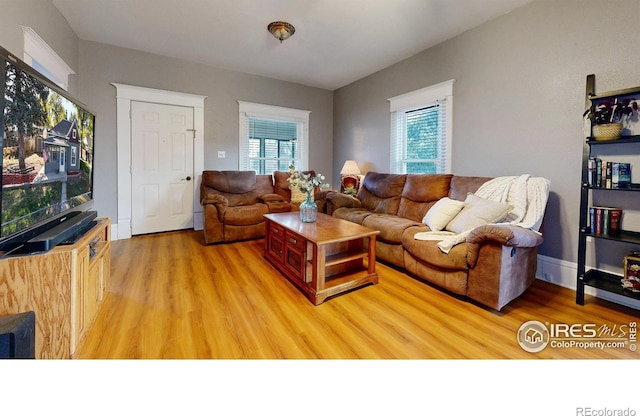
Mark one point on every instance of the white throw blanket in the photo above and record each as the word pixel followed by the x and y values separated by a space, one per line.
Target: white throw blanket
pixel 526 194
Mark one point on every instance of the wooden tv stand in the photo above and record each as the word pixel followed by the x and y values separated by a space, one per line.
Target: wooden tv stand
pixel 63 286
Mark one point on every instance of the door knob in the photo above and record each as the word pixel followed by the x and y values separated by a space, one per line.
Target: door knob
pixel 188 178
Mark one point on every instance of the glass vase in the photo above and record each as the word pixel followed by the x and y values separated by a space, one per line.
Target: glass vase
pixel 308 209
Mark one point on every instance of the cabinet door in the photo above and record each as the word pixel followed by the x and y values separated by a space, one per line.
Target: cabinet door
pixel 93 292
pixel 295 261
pixel 296 255
pixel 79 296
pixel 276 243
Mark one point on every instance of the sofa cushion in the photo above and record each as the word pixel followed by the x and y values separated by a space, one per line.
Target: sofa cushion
pixel 281 185
pixel 476 212
pixel 233 182
pixel 245 214
pixel 461 185
pixel 421 192
pixel 356 215
pixel 428 251
pixel 380 192
pixel 441 213
pixel 391 227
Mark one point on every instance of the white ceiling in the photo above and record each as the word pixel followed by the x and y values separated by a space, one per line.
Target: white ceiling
pixel 336 41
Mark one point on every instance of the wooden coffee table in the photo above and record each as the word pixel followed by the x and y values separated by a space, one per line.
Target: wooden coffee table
pixel 322 258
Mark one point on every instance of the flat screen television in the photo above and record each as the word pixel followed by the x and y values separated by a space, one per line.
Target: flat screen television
pixel 47 141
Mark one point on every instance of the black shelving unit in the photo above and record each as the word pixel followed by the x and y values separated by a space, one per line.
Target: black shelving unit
pixel 598 278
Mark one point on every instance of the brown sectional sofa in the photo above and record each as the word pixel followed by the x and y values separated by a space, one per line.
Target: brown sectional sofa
pixel 495 264
pixel 234 203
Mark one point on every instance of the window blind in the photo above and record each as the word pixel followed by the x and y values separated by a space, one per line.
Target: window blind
pixel 271 144
pixel 272 138
pixel 417 137
pixel 420 134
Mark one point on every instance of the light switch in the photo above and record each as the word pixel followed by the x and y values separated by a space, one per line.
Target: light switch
pixel 221 154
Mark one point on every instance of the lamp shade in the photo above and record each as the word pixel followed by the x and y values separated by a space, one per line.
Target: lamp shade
pixel 350 167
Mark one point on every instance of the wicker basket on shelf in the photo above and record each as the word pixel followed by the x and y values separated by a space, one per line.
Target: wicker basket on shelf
pixel 609 131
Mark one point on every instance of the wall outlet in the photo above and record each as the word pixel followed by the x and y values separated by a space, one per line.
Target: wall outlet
pixel 221 154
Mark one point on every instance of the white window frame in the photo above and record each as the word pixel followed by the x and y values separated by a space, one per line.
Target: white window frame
pixel 74 157
pixel 248 109
pixel 39 55
pixel 442 92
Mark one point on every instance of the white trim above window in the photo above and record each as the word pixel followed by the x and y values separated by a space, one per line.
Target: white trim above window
pixel 40 56
pixel 418 98
pixel 421 130
pixel 248 110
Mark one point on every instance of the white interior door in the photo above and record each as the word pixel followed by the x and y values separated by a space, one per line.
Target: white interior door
pixel 161 167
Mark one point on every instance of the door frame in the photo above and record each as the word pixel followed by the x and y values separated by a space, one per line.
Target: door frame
pixel 125 94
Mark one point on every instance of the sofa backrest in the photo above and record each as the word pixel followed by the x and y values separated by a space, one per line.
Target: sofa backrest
pixel 381 192
pixel 412 195
pixel 421 192
pixel 239 187
pixel 462 185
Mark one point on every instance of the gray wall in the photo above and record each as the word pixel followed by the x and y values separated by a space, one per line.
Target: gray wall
pixel 44 18
pixel 518 98
pixel 101 65
pixel 98 65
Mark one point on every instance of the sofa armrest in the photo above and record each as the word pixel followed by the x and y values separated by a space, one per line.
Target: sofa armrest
pixel 340 200
pixel 218 200
pixel 271 198
pixel 505 235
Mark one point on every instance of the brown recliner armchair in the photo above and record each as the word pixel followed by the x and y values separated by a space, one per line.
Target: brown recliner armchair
pixel 234 203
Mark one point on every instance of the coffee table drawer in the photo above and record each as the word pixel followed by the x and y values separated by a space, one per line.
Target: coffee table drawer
pixel 294 240
pixel 276 230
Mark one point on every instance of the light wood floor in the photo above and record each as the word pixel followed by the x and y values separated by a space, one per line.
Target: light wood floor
pixel 172 297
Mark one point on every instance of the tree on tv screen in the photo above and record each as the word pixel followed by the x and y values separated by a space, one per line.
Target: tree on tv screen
pixel 25 110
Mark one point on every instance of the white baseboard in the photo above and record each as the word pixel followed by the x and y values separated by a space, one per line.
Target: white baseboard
pixel 198 224
pixel 564 273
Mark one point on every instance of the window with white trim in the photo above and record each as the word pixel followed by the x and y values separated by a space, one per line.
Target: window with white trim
pixel 44 59
pixel 421 134
pixel 272 138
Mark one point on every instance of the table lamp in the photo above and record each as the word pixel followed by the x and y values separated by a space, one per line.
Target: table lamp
pixel 350 178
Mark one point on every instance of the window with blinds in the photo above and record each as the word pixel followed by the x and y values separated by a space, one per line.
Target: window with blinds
pixel 272 144
pixel 421 130
pixel 272 138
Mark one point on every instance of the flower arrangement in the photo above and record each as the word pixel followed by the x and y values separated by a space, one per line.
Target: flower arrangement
pixel 611 111
pixel 304 182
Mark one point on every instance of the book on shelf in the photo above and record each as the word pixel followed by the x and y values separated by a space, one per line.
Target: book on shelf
pixel 624 176
pixel 609 175
pixel 591 169
pixel 605 220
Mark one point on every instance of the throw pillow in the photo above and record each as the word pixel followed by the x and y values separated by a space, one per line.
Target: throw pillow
pixel 476 212
pixel 441 213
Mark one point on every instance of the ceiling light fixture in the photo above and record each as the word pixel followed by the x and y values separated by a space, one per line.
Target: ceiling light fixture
pixel 281 30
